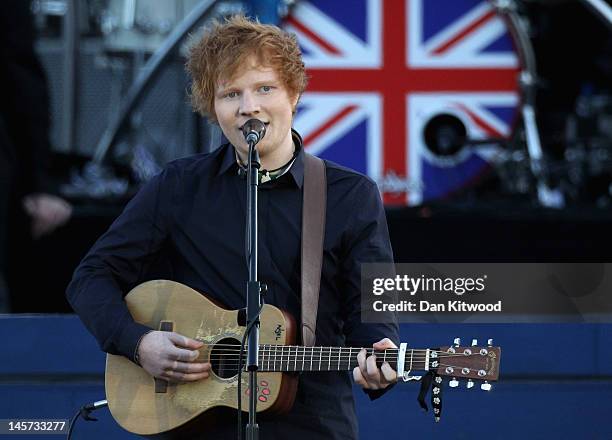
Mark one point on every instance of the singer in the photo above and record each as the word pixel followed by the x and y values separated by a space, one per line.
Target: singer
pixel 188 224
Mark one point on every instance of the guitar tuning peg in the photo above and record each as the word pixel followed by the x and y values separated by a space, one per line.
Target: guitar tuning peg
pixel 486 386
pixel 457 342
pixel 470 383
pixel 474 342
pixel 490 342
pixel 453 383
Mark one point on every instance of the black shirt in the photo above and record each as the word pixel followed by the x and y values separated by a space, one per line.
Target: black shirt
pixel 191 220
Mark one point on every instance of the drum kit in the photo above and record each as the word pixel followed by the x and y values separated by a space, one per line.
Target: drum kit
pixel 581 171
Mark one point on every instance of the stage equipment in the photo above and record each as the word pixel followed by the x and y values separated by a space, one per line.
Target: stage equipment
pixel 131 31
pixel 547 196
pixel 85 413
pixel 142 25
pixel 418 100
pixel 431 106
pixel 99 177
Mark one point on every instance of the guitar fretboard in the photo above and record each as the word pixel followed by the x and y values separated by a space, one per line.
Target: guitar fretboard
pixel 297 358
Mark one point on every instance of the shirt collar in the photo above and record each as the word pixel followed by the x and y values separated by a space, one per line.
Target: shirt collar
pixel 228 160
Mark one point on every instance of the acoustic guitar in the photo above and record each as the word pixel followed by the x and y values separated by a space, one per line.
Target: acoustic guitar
pixel 148 406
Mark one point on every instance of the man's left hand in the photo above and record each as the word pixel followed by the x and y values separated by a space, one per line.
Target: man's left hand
pixel 368 375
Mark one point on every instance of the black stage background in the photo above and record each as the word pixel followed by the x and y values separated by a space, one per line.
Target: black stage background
pixel 485 231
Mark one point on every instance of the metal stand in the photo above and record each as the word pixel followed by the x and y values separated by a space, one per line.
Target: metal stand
pixel 147 74
pixel 253 290
pixel 602 9
pixel 548 197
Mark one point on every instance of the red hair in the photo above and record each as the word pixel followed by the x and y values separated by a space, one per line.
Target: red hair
pixel 224 48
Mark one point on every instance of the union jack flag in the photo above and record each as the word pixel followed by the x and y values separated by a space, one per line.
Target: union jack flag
pixel 381 69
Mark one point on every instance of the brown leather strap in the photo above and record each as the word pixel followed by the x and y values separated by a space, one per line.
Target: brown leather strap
pixel 313 231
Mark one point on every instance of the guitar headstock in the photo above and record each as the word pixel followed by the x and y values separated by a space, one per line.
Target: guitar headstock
pixel 471 363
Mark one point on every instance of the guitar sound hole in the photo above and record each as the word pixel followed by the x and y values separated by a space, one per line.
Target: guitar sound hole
pixel 224 357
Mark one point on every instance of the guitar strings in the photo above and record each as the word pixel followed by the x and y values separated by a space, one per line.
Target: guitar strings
pixel 340 366
pixel 342 348
pixel 287 357
pixel 333 355
pixel 265 347
pixel 326 354
pixel 269 356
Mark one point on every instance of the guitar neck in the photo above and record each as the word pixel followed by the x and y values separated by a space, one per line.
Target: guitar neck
pixel 285 358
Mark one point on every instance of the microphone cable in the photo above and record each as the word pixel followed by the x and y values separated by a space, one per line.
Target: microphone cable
pixel 85 412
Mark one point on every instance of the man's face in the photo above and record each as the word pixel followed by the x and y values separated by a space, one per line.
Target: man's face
pixel 257 92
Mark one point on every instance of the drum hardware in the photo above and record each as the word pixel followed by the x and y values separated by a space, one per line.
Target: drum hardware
pixel 449 142
pixel 143 25
pixel 98 174
pixel 518 167
pixel 582 171
pixel 547 196
pixel 588 154
pixel 49 7
pixel 445 134
pixel 149 72
pixel 125 21
pixel 602 9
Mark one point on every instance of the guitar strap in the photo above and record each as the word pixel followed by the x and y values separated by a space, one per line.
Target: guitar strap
pixel 313 231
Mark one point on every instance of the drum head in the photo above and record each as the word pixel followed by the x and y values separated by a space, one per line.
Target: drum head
pixel 398 86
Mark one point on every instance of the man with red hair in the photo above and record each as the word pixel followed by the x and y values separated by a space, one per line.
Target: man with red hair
pixel 192 216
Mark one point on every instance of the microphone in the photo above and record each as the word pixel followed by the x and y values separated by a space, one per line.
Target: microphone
pixel 253 130
pixel 96 405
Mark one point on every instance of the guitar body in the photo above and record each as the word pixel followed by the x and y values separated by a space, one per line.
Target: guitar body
pixel 148 406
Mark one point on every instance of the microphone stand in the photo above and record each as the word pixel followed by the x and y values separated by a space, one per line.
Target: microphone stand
pixel 254 288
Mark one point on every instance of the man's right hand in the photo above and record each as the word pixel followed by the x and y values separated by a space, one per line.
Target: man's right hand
pixel 172 357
